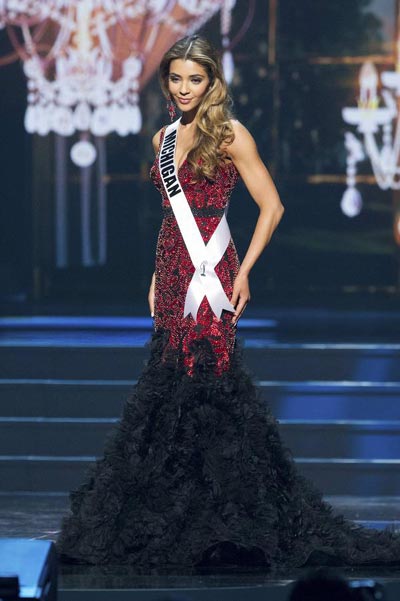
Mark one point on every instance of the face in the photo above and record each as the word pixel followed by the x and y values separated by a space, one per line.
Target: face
pixel 187 83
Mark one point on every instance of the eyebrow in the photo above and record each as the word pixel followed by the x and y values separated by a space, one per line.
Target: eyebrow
pixel 191 75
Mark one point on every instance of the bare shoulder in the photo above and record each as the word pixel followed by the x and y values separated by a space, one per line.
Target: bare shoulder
pixel 156 140
pixel 238 127
pixel 243 142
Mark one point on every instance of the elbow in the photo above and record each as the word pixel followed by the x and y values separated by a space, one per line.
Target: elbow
pixel 273 212
pixel 279 209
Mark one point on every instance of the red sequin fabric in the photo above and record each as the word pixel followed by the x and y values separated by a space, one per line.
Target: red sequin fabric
pixel 174 269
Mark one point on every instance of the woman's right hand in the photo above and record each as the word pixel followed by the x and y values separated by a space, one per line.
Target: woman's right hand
pixel 151 295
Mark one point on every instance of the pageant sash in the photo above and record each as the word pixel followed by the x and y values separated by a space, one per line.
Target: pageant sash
pixel 204 257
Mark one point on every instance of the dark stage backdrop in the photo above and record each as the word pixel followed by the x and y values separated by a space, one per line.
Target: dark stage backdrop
pixel 296 67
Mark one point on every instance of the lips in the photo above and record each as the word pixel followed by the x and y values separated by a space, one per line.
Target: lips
pixel 184 100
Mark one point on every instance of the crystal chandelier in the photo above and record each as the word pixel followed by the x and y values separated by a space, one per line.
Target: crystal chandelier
pixel 374 123
pixel 87 60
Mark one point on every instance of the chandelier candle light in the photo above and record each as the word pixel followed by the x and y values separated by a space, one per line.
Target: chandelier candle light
pixel 371 120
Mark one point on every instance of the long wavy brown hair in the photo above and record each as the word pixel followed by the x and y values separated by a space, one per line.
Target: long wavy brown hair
pixel 213 126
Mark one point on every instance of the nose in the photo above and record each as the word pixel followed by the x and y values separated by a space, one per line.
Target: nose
pixel 184 90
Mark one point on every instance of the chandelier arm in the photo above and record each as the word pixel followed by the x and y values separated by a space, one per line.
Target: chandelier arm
pixel 125 28
pixel 19 48
pixel 154 25
pixel 8 59
pixel 245 26
pixel 373 153
pixel 108 24
pixel 123 25
pixel 60 42
pixel 32 47
pixel 142 32
pixel 396 146
pixel 167 9
pixel 155 28
pixel 109 21
pixel 112 21
pixel 29 43
pixel 40 28
pixel 32 43
pixel 63 36
pixel 104 40
pixel 114 17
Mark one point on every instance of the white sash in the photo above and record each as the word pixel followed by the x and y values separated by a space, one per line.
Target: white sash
pixel 204 257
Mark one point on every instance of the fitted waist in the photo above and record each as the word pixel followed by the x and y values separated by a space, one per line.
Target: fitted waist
pixel 197 212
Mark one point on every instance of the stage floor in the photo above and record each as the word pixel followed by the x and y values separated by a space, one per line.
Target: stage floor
pixel 320 371
pixel 197 585
pixel 39 516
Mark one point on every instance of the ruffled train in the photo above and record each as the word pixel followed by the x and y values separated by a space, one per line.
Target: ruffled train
pixel 195 474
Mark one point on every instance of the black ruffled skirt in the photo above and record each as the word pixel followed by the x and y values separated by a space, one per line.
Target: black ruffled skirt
pixel 195 474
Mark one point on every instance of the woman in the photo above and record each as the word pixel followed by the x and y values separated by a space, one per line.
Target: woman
pixel 195 473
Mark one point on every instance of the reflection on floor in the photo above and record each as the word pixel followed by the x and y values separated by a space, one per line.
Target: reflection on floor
pixel 38 515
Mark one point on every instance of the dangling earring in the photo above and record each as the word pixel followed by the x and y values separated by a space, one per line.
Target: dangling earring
pixel 171 108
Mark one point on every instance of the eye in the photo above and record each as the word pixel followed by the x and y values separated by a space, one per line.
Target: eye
pixel 196 80
pixel 174 78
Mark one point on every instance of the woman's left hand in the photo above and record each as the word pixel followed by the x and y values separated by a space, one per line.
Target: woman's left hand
pixel 240 296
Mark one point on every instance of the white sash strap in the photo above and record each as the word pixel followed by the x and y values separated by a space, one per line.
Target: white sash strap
pixel 204 257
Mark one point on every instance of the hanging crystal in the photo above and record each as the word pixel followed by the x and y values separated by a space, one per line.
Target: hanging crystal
pixel 351 203
pixel 226 22
pixel 132 69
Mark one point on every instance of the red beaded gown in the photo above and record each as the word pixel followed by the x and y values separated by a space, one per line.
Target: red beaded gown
pixel 195 472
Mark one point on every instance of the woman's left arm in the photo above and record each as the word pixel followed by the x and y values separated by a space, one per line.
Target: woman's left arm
pixel 243 152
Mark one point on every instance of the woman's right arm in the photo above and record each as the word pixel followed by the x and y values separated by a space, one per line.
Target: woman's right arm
pixel 156 141
pixel 151 294
pixel 156 145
